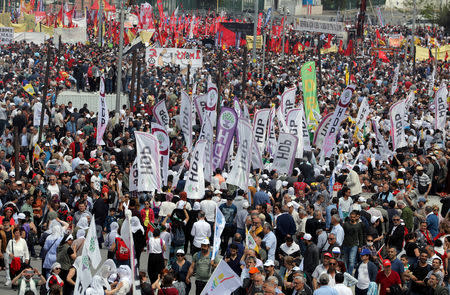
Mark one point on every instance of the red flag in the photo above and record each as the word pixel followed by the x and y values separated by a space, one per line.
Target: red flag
pixel 260 19
pixel 286 46
pixel 378 34
pixel 59 19
pixel 328 44
pixel 340 47
pixel 349 49
pixel 382 55
pixel 446 56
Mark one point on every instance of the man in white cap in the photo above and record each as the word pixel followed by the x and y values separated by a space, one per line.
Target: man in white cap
pixel 311 258
pixel 201 230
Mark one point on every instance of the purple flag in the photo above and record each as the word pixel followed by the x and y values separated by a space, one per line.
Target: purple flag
pixel 225 131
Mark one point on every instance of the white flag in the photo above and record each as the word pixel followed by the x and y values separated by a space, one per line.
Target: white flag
pixel 306 139
pixel 149 171
pixel 91 245
pixel 37 115
pixel 195 183
pixel 239 173
pixel 433 75
pixel 363 112
pixel 284 158
pixel 409 100
pixel 161 113
pixel 395 80
pixel 440 109
pixel 383 148
pixel 102 117
pixel 200 105
pixel 288 100
pixel 223 281
pixel 257 162
pixel 207 133
pixel 164 148
pixel 127 237
pixel 186 118
pixel 219 225
pixel 397 115
pixel 281 121
pixel 134 177
pixel 260 122
pixel 272 138
pixel 211 102
pixel 84 276
pixel 294 121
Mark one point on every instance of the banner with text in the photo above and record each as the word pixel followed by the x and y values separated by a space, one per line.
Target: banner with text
pixel 161 57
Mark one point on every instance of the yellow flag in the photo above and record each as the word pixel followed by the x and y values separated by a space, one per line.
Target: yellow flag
pixel 422 53
pixel 131 36
pixel 37 151
pixel 347 75
pixel 29 89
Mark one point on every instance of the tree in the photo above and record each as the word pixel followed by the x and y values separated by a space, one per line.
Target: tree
pixel 443 18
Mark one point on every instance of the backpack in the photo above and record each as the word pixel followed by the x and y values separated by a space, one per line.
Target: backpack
pixel 178 237
pixel 122 251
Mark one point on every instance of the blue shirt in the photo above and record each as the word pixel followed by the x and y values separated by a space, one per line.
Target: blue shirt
pixel 271 242
pixel 325 290
pixel 229 212
pixel 397 265
pixel 433 224
pixel 328 215
pixel 261 197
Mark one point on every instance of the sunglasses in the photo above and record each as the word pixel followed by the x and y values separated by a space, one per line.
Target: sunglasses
pixel 332 263
pixel 369 240
pixel 396 219
pixel 329 239
pixel 180 254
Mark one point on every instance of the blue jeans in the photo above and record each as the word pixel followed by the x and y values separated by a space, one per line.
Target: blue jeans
pixel 350 257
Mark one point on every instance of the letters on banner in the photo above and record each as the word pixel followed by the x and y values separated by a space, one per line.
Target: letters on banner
pixel 161 57
pixel 239 173
pixel 284 157
pixel 228 121
pixel 397 116
pixel 186 118
pixel 260 120
pixel 103 117
pixel 322 129
pixel 164 148
pixel 207 133
pixel 195 183
pixel 161 113
pixel 441 107
pixel 149 171
pixel 294 121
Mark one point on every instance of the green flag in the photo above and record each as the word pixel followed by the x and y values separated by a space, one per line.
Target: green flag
pixel 309 85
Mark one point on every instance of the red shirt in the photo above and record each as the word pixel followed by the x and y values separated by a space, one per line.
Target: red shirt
pixel 299 186
pixel 168 291
pixel 387 282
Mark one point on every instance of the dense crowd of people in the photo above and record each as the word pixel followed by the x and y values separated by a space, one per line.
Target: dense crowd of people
pixel 376 228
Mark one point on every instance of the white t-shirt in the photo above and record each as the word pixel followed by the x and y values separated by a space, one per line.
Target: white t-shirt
pixel 363 277
pixel 154 245
pixel 53 189
pixel 209 207
pixel 344 204
pixel 343 289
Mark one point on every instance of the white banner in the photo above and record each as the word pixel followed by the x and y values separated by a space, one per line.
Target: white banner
pixel 219 225
pixel 134 177
pixel 161 113
pixel 322 130
pixel 383 147
pixel 294 121
pixel 223 281
pixel 211 102
pixel 260 120
pixel 149 171
pixel 288 100
pixel 338 116
pixel 440 109
pixel 306 138
pixel 257 162
pixel 363 112
pixel 70 35
pixel 161 57
pixel 91 245
pixel 200 105
pixel 284 157
pixel 281 119
pixel 103 115
pixel 207 133
pixel 397 116
pixel 410 100
pixel 164 148
pixel 310 25
pixel 186 118
pixel 395 80
pixel 37 115
pixel 239 173
pixel 195 183
pixel 6 35
pixel 272 138
pixel 433 76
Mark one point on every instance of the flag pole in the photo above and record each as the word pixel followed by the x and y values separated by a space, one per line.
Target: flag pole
pixel 119 66
pixel 133 79
pixel 138 80
pixel 100 25
pixel 44 92
pixel 255 31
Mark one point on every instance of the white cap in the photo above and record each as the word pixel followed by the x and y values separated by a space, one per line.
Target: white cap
pixel 217 192
pixel 307 237
pixel 113 163
pixel 180 251
pixel 205 242
pixel 269 262
pixel 361 199
pixel 284 183
pixel 336 250
pixel 196 206
pixel 245 205
pixel 374 219
pixel 296 268
pixel 21 216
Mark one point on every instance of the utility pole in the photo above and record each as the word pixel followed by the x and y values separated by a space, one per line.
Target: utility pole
pixel 44 92
pixel 255 31
pixel 100 23
pixel 413 45
pixel 319 47
pixel 244 74
pixel 361 17
pixel 282 40
pixel 133 79
pixel 119 66
pixel 188 79
pixel 219 85
pixel 138 86
pixel 264 53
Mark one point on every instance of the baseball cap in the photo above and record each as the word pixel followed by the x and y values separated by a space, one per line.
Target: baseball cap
pixel 422 200
pixel 328 254
pixel 205 242
pixel 336 250
pixel 253 270
pixel 386 262
pixel 269 262
pixel 374 219
pixel 180 251
pixel 365 252
pixel 307 237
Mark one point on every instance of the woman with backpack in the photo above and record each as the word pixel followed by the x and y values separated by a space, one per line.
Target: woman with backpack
pixel 110 239
pixel 156 248
pixel 138 237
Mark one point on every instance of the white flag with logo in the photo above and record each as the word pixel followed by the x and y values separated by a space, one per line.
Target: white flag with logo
pixel 219 225
pixel 410 100
pixel 195 183
pixel 207 133
pixel 164 147
pixel 363 112
pixel 397 115
pixel 288 100
pixel 440 109
pixel 239 173
pixel 149 171
pixel 294 121
pixel 284 157
pixel 102 117
pixel 161 113
pixel 91 245
pixel 200 105
pixel 211 102
pixel 223 281
pixel 260 122
pixel 186 118
pixel 134 179
pixel 395 80
pixel 257 162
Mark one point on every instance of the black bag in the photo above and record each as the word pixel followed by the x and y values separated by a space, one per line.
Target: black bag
pixel 422 188
pixel 178 237
pixel 396 290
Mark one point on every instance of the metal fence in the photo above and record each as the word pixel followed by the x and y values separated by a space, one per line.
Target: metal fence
pixel 78 99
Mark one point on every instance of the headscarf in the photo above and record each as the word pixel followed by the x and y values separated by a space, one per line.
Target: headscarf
pixel 58 278
pixel 98 283
pixel 81 233
pixel 105 271
pixel 56 230
pixel 136 225
pixel 23 286
pixel 114 227
pixel 124 272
